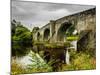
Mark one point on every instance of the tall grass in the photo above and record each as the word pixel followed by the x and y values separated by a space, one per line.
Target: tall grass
pixel 80 61
pixel 16 68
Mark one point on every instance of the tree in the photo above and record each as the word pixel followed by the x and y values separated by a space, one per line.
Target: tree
pixel 21 41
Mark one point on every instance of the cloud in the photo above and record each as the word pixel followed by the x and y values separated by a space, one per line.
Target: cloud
pixel 38 13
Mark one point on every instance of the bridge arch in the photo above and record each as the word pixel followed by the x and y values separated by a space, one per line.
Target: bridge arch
pixel 46 34
pixel 61 34
pixel 38 36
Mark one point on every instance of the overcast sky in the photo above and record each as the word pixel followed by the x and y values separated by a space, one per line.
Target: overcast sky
pixel 33 14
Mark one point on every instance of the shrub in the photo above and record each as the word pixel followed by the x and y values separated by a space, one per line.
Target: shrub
pixel 81 61
pixel 21 41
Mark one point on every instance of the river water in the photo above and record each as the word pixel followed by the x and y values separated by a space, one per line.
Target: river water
pixel 26 60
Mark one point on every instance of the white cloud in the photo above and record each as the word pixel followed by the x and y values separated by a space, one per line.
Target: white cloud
pixel 38 13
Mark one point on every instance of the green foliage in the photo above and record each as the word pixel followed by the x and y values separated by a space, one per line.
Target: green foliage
pixel 72 38
pixel 21 41
pixel 81 61
pixel 52 45
pixel 70 35
pixel 70 30
pixel 73 54
pixel 57 45
pixel 38 64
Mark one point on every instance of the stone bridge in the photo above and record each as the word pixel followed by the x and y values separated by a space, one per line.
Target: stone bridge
pixel 83 22
pixel 55 30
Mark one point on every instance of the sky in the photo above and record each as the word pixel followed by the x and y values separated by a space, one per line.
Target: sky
pixel 37 14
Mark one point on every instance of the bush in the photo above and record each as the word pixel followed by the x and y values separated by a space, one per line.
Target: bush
pixel 21 41
pixel 84 61
pixel 81 61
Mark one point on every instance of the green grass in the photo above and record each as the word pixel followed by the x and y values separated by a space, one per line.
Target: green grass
pixel 72 38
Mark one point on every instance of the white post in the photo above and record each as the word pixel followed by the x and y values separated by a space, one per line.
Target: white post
pixel 67 57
